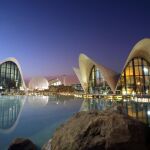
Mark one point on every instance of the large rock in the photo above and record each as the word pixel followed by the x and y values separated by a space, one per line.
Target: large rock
pixel 107 130
pixel 47 146
pixel 22 144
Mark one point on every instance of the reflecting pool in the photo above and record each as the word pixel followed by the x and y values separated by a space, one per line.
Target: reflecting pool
pixel 34 117
pixel 37 117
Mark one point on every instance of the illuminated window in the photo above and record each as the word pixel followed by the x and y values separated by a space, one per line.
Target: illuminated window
pixel 9 74
pixel 97 84
pixel 135 77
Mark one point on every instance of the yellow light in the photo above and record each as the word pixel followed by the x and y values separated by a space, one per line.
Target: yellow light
pixel 124 92
pixel 138 83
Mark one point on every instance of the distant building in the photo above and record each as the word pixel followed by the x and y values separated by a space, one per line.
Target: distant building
pixel 77 87
pixel 11 77
pixel 134 78
pixel 55 82
pixel 38 83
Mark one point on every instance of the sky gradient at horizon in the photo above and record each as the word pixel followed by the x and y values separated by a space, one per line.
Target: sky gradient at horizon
pixel 46 37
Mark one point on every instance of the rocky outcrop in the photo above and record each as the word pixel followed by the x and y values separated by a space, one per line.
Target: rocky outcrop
pixel 22 144
pixel 47 146
pixel 107 130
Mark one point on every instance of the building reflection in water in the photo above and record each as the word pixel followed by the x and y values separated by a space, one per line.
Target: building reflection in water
pixel 42 101
pixel 138 110
pixel 38 101
pixel 10 109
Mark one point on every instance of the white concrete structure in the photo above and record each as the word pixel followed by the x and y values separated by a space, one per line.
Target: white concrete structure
pixel 141 50
pixel 84 70
pixel 11 59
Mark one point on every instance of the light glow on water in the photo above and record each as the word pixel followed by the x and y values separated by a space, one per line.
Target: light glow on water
pixel 37 117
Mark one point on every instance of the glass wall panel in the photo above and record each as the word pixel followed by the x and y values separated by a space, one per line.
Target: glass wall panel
pixel 135 77
pixel 10 77
pixel 97 84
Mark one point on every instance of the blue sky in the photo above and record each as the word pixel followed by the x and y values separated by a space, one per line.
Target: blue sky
pixel 47 36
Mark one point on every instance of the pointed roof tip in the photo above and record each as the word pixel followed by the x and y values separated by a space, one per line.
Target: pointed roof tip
pixel 75 68
pixel 82 55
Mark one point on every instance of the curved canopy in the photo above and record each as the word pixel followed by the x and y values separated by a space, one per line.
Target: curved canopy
pixel 141 49
pixel 85 66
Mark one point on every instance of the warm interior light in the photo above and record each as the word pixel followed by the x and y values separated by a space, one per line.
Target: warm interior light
pixel 138 83
pixel 133 93
pixel 124 92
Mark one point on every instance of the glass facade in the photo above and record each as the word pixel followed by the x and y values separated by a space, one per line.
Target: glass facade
pixel 135 78
pixel 10 77
pixel 97 84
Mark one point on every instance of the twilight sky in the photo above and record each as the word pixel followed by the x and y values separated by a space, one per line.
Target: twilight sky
pixel 47 36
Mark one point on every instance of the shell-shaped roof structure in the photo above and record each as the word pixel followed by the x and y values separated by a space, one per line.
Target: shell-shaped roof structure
pixel 141 49
pixel 83 72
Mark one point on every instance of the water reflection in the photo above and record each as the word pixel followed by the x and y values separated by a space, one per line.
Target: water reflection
pixel 42 101
pixel 38 100
pixel 37 118
pixel 138 110
pixel 10 109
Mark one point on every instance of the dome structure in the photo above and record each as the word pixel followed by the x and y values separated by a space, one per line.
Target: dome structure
pixel 38 83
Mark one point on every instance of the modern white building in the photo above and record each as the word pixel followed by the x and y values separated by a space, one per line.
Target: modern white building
pixel 134 78
pixel 95 78
pixel 11 76
pixel 55 82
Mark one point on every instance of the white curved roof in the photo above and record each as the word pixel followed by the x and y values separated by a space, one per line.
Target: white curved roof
pixel 140 49
pixel 12 59
pixel 83 73
pixel 39 83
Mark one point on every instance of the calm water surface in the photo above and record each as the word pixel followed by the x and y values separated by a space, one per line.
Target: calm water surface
pixel 37 117
pixel 34 117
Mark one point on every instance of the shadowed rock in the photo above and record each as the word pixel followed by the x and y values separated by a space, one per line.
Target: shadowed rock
pixel 22 144
pixel 107 130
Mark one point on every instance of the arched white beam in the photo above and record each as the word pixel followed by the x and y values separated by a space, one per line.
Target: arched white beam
pixel 78 74
pixel 19 67
pixel 85 66
pixel 141 49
